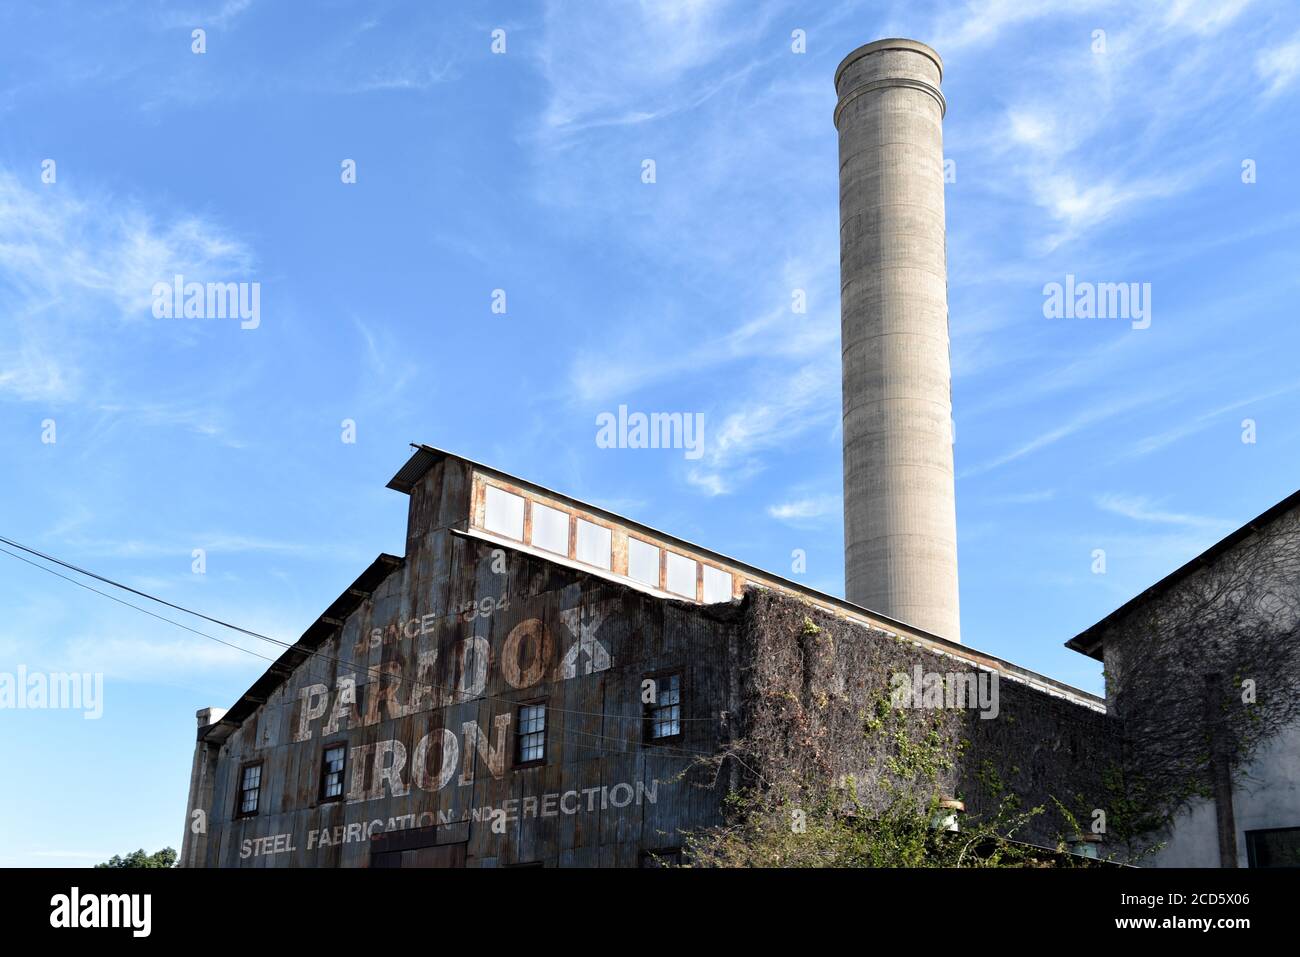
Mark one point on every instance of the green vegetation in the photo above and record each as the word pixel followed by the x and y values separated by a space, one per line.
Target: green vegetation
pixel 164 858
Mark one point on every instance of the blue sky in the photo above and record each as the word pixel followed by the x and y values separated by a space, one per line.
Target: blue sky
pixel 522 172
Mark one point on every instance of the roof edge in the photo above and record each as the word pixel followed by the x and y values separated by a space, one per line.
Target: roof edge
pixel 425 456
pixel 325 625
pixel 1090 641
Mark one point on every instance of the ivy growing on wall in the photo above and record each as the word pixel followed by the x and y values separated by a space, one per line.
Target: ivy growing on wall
pixel 832 769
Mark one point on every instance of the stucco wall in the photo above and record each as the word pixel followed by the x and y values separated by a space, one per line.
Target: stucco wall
pixel 1269 798
pixel 1250 589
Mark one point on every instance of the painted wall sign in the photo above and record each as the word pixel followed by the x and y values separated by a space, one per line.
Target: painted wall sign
pixel 584 655
pixel 385 767
pixel 530 807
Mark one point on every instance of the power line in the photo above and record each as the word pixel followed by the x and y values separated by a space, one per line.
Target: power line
pixel 310 652
pixel 136 607
pixel 670 751
pixel 134 591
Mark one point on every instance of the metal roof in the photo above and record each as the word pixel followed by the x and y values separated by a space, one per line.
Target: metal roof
pixel 302 649
pixel 425 456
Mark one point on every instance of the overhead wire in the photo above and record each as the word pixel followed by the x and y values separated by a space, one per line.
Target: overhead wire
pixel 310 652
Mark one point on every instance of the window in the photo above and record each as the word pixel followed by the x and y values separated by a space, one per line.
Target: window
pixel 1275 847
pixel 550 529
pixel 717 585
pixel 664 857
pixel 593 544
pixel 664 715
pixel 530 747
pixel 642 562
pixel 331 772
pixel 503 513
pixel 681 575
pixel 250 789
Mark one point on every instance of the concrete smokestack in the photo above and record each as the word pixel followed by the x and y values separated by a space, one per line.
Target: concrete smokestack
pixel 900 522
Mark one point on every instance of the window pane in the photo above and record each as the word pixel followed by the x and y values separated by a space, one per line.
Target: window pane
pixel 249 789
pixel 503 513
pixel 550 529
pixel 332 771
pixel 532 733
pixel 670 689
pixel 665 715
pixel 1279 847
pixel 665 858
pixel 717 585
pixel 681 575
pixel 642 562
pixel 593 544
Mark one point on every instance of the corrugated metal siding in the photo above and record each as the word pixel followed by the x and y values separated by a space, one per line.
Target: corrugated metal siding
pixel 595 756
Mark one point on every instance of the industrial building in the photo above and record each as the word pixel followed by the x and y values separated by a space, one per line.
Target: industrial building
pixel 537 681
pixel 1211 653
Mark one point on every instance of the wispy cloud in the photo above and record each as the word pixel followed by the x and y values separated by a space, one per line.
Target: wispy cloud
pixel 388 368
pixel 1025 498
pixel 628 68
pixel 777 333
pixel 1205 420
pixel 1141 509
pixel 229 11
pixel 213 542
pixel 802 510
pixel 1205 17
pixel 1279 66
pixel 1060 136
pixel 734 103
pixel 415 77
pixel 70 263
pixel 143 659
pixel 768 419
pixel 1094 414
pixel 981 22
pixel 222 14
pixel 710 483
pixel 1077 207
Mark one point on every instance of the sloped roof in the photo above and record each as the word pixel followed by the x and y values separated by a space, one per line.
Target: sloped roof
pixel 1089 642
pixel 425 457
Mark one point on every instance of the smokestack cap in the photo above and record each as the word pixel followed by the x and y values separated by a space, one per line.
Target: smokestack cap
pixel 891 73
pixel 893 43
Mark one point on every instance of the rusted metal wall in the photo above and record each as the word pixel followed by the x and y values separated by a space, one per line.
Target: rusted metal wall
pixel 420 666
pixel 429 669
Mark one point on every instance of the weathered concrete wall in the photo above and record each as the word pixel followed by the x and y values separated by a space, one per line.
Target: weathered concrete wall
pixel 817 703
pixel 1269 798
pixel 900 527
pixel 1236 616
